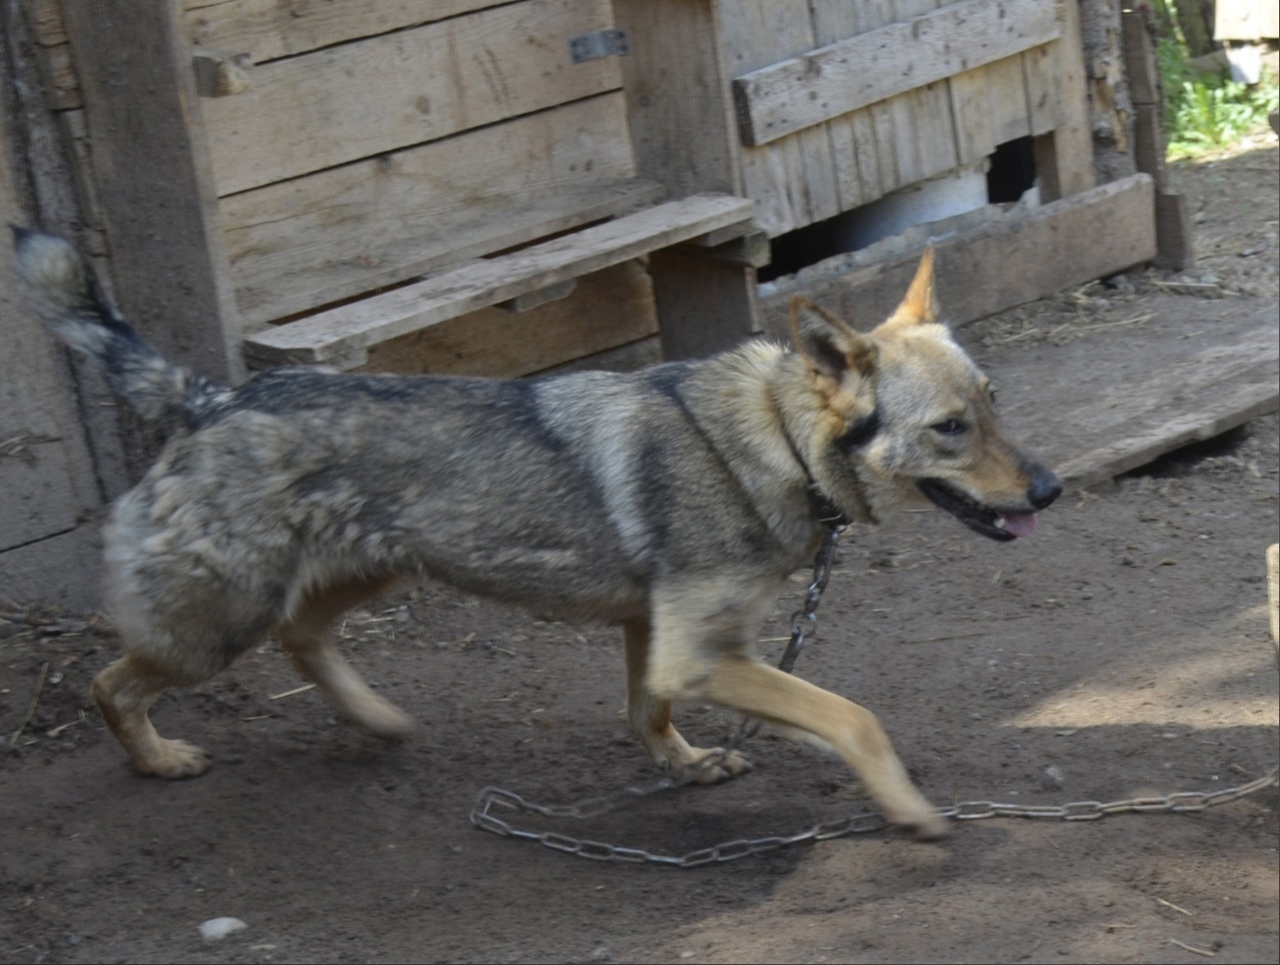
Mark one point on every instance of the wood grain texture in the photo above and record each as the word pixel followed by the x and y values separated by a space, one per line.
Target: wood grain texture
pixel 607 309
pixel 340 335
pixel 303 243
pixel 777 100
pixel 341 104
pixel 149 159
pixel 268 29
pixel 1017 258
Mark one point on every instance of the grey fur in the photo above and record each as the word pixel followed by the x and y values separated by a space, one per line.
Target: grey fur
pixel 674 501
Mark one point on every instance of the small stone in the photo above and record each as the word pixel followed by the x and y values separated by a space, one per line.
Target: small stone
pixel 216 929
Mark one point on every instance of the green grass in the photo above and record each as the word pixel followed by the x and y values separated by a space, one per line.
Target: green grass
pixel 1205 112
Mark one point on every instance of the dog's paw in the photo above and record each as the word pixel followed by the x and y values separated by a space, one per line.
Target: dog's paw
pixel 927 827
pixel 174 760
pixel 714 766
pixel 381 718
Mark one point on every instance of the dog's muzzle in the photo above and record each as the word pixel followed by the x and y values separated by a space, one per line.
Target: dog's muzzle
pixel 997 524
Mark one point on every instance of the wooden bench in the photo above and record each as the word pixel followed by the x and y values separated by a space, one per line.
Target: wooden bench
pixel 341 336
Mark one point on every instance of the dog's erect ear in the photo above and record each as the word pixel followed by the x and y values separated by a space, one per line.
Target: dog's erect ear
pixel 920 307
pixel 829 345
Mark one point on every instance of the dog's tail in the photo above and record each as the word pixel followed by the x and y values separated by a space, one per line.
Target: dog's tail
pixel 66 295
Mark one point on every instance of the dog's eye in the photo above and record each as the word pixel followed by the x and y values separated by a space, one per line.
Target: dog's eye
pixel 952 427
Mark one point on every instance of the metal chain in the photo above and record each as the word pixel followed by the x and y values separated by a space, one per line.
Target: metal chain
pixel 482 817
pixel 803 623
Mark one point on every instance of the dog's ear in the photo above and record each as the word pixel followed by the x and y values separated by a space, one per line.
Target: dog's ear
pixel 829 345
pixel 920 306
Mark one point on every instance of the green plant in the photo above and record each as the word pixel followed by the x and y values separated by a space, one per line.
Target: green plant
pixel 1205 111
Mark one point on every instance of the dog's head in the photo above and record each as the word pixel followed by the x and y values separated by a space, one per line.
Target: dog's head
pixel 905 414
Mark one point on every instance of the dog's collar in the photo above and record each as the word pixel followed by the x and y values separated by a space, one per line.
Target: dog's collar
pixel 824 510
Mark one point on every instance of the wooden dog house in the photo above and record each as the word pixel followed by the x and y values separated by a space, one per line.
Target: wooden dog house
pixel 501 188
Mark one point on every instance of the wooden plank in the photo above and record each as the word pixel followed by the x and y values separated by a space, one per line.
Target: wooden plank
pixel 361 99
pixel 1014 259
pixel 64 570
pixel 682 129
pixel 793 180
pixel 1043 88
pixel 833 80
pixel 853 135
pixel 340 334
pixel 924 134
pixel 267 29
pixel 678 100
pixel 607 309
pixel 333 234
pixel 1191 369
pixel 1230 396
pixel 171 274
pixel 1064 157
pixel 1007 100
pixel 971 107
pixel 1246 20
pixel 45 471
pixel 1273 591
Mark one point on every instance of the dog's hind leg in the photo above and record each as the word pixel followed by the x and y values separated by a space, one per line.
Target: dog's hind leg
pixel 650 719
pixel 306 637
pixel 124 692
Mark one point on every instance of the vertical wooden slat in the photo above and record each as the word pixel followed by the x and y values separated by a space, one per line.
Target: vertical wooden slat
pixel 794 177
pixel 971 108
pixel 852 135
pixel 1044 89
pixel 684 135
pixel 156 191
pixel 1064 157
pixel 1007 100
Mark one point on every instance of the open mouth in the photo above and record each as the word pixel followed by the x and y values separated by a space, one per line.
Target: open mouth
pixel 979 518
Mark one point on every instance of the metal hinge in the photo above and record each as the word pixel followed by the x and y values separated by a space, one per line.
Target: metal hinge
pixel 599 43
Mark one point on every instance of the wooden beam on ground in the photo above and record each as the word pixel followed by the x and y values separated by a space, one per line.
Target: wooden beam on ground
pixel 1008 261
pixel 342 336
pixel 1123 393
pixel 794 94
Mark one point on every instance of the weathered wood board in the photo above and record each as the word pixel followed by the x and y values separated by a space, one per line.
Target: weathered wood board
pixel 1120 398
pixel 354 100
pixel 341 336
pixel 339 232
pixel 850 74
pixel 1013 259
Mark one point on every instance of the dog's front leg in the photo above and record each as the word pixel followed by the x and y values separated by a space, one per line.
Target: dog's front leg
pixel 814 714
pixel 650 718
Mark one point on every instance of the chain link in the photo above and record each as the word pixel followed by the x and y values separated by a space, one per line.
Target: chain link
pixel 482 816
pixel 803 623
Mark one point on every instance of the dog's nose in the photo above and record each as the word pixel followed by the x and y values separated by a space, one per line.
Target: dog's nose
pixel 1044 489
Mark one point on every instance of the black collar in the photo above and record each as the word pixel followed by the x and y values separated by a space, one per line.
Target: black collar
pixel 824 510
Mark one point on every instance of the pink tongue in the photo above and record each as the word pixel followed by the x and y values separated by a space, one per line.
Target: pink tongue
pixel 1019 524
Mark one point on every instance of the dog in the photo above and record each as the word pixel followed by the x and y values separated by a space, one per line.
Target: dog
pixel 674 500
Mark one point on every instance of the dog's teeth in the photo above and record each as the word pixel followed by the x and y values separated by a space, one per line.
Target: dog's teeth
pixel 1000 522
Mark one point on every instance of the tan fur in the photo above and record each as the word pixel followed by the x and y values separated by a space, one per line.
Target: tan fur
pixel 673 501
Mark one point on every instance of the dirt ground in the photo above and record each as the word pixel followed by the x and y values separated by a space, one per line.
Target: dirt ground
pixel 1121 652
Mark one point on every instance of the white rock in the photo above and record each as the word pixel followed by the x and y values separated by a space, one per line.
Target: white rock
pixel 216 929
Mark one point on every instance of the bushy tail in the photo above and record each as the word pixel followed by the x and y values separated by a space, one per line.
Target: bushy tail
pixel 65 293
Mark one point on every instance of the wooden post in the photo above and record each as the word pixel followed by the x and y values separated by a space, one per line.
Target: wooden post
pixel 151 168
pixel 683 132
pixel 1173 231
pixel 1064 156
